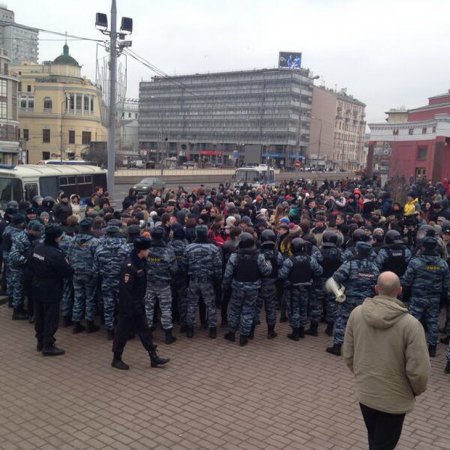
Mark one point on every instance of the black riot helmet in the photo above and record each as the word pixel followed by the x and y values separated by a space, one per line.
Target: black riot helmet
pixel 359 235
pixel 393 237
pixel 268 236
pixel 48 202
pixel 329 237
pixel 298 246
pixel 246 240
pixel 158 233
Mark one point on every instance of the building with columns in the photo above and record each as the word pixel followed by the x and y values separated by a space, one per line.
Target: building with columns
pixel 60 111
pixel 413 143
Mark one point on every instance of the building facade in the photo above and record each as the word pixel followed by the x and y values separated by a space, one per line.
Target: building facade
pixel 9 123
pixel 20 42
pixel 60 111
pixel 337 130
pixel 128 147
pixel 416 147
pixel 213 117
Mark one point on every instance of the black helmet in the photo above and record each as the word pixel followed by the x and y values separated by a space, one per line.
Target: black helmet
pixel 446 227
pixel 12 205
pixel 393 237
pixel 298 246
pixel 246 240
pixel 268 236
pixel 329 237
pixel 158 233
pixel 429 243
pixel 359 235
pixel 37 200
pixel 48 201
pixel 141 243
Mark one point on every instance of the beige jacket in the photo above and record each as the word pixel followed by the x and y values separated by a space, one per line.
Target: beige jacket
pixel 386 349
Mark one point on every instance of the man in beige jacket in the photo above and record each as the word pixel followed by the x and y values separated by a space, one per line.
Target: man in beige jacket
pixel 386 349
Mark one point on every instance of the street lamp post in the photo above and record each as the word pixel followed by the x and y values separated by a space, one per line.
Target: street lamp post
pixel 115 49
pixel 320 137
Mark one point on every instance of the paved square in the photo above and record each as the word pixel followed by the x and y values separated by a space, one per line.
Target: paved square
pixel 272 394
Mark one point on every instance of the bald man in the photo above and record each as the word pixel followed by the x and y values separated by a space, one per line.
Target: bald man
pixel 386 349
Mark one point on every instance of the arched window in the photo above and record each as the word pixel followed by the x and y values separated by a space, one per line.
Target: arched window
pixel 47 104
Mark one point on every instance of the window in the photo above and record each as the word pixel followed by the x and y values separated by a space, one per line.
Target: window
pixel 3 110
pixel 71 136
pixel 26 134
pixel 31 190
pixel 31 104
pixel 411 131
pixel 86 137
pixel 86 103
pixel 78 103
pixel 3 88
pixel 19 86
pixel 5 69
pixel 47 104
pixel 434 129
pixel 28 88
pixel 422 153
pixel 424 130
pixel 45 156
pixel 395 131
pixel 92 104
pixel 46 136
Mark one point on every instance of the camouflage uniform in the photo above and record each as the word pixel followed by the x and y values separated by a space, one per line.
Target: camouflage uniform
pixel 108 259
pixel 299 271
pixel 243 272
pixel 8 237
pixel 21 249
pixel 203 264
pixel 268 291
pixel 68 294
pixel 161 266
pixel 81 257
pixel 393 258
pixel 350 252
pixel 359 276
pixel 179 305
pixel 427 278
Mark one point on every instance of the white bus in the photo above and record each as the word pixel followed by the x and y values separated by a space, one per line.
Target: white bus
pixel 67 162
pixel 23 182
pixel 254 176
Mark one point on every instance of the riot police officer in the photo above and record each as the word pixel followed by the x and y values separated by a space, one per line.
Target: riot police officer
pixel 394 255
pixel 131 310
pixel 299 271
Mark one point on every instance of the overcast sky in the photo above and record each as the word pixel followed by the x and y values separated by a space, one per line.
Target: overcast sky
pixel 387 53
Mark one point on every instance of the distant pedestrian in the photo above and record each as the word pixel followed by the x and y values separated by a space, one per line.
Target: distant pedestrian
pixel 386 349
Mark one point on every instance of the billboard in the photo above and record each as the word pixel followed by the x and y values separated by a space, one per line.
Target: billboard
pixel 289 60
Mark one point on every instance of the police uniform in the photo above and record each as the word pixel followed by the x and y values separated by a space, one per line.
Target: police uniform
pixel 131 310
pixel 50 267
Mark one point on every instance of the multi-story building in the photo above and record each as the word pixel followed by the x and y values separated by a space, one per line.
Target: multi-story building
pixel 337 130
pixel 60 111
pixel 9 124
pixel 212 117
pixel 19 41
pixel 129 141
pixel 416 147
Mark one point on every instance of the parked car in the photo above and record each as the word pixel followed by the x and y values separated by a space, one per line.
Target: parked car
pixel 149 183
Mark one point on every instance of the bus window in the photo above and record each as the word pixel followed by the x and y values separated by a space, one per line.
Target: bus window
pixel 49 186
pixel 31 190
pixel 10 189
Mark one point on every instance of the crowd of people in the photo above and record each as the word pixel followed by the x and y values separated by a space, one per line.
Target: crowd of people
pixel 303 252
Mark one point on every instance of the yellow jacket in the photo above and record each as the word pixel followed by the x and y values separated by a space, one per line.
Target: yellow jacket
pixel 410 207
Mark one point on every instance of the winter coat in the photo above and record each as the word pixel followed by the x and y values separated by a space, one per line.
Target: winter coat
pixel 386 349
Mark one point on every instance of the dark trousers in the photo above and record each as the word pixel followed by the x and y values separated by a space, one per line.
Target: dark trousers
pixel 46 323
pixel 131 323
pixel 226 296
pixel 383 429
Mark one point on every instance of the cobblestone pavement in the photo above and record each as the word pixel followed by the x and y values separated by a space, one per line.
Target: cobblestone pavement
pixel 272 394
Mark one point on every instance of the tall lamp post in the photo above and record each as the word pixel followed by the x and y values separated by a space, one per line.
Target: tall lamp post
pixel 320 137
pixel 116 45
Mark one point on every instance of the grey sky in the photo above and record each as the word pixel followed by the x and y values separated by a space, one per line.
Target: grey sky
pixel 387 53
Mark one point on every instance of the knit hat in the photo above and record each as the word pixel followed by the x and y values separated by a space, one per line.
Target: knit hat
pixel 294 229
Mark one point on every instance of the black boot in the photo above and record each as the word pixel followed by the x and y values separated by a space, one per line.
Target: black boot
pixel 432 350
pixel 447 367
pixel 155 360
pixel 117 363
pixel 109 335
pixel 19 314
pixel 295 335
pixel 271 332
pixel 67 321
pixel 445 340
pixel 330 328
pixel 243 340
pixel 312 331
pixel 301 332
pixel 91 327
pixel 252 332
pixel 335 349
pixel 230 336
pixel 169 339
pixel 78 328
pixel 190 332
pixel 213 332
pixel 53 351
